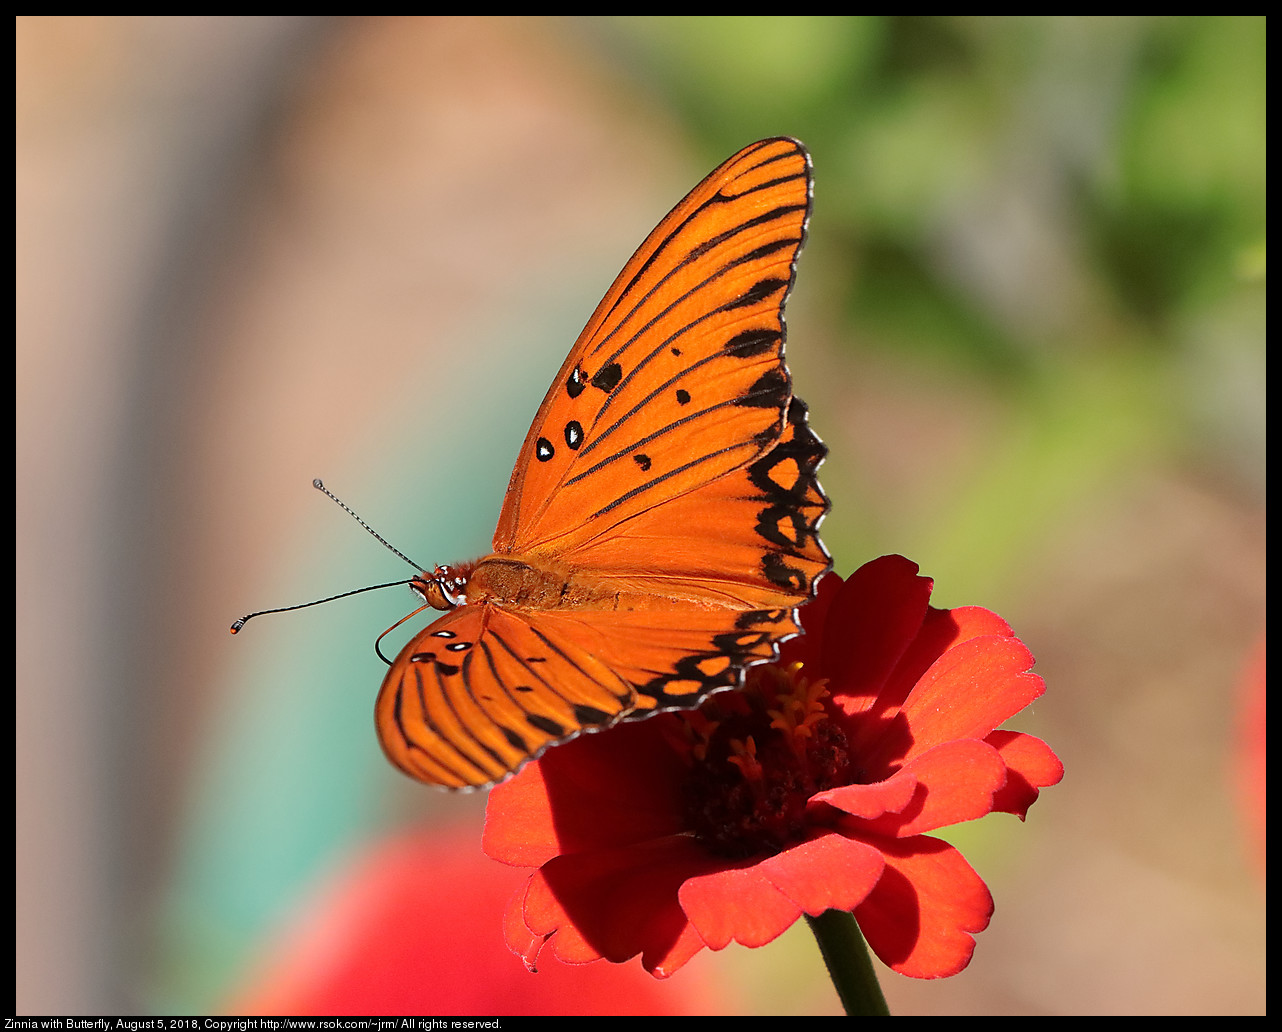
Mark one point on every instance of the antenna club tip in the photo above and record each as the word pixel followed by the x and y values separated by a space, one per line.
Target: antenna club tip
pixel 316 483
pixel 238 624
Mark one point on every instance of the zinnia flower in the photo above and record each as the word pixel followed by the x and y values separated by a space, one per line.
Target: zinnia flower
pixel 809 789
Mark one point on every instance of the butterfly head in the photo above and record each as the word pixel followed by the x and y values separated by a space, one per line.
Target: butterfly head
pixel 445 588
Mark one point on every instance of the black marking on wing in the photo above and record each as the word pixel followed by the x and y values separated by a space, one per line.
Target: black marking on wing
pixel 590 716
pixel 608 377
pixel 545 724
pixel 751 343
pixel 759 292
pixel 771 390
pixel 789 517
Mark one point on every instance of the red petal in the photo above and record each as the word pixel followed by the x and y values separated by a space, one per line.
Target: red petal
pixel 955 782
pixel 520 940
pixel 598 791
pixel 829 872
pixel 740 904
pixel 869 801
pixel 808 648
pixel 972 622
pixel 921 916
pixel 940 631
pixel 518 822
pixel 873 619
pixel 969 691
pixel 662 963
pixel 1030 765
pixel 617 903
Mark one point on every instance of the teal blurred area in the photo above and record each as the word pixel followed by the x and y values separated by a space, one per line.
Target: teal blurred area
pixel 1029 323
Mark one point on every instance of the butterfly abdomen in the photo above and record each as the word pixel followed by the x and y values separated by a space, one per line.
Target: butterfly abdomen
pixel 531 582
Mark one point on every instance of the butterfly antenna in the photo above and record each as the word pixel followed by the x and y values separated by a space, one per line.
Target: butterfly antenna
pixel 348 509
pixel 235 627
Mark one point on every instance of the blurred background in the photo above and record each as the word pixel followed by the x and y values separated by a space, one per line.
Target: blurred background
pixel 1029 322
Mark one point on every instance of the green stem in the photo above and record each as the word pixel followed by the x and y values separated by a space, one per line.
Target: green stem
pixel 849 966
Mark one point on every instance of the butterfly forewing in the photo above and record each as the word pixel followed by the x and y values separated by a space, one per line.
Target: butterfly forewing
pixel 678 378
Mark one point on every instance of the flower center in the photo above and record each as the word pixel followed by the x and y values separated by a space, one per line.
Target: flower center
pixel 757 756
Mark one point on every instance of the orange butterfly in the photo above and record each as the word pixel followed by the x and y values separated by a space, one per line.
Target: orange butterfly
pixel 660 527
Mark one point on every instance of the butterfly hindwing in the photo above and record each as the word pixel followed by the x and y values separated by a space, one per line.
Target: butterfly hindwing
pixel 481 690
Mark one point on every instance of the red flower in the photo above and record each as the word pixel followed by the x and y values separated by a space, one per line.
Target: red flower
pixel 808 789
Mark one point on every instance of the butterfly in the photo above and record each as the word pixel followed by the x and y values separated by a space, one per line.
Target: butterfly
pixel 660 527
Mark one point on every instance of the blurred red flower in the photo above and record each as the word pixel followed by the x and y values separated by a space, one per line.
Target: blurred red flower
pixel 1250 756
pixel 410 927
pixel 807 790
